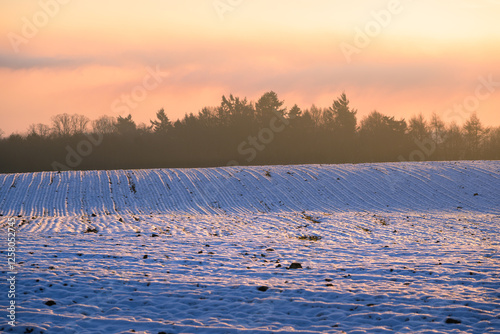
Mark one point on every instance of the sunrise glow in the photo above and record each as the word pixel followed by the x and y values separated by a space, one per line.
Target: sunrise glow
pixel 410 57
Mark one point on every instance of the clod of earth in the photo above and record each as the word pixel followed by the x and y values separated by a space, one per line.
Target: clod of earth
pixel 310 237
pixel 295 265
pixel 50 303
pixel 453 321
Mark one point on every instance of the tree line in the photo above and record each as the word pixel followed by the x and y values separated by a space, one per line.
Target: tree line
pixel 241 132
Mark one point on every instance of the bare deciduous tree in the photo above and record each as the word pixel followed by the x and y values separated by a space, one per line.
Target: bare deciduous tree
pixel 67 125
pixel 61 124
pixel 40 130
pixel 104 124
pixel 418 127
pixel 79 123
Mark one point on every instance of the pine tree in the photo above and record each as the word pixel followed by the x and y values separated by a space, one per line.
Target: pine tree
pixel 343 117
pixel 163 124
pixel 125 125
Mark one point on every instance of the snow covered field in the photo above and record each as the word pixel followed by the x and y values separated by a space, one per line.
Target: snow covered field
pixel 396 247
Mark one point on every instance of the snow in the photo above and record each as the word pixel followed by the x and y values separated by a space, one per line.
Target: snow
pixel 388 247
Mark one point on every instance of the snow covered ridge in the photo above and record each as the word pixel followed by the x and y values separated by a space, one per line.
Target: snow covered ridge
pixel 394 187
pixel 369 248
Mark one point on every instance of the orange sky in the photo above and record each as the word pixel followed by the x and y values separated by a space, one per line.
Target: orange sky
pixel 93 57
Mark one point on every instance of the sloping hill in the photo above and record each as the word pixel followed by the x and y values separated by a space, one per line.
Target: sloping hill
pixel 444 186
pixel 369 248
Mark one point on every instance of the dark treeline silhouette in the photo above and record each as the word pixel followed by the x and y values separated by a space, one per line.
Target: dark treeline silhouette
pixel 239 132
